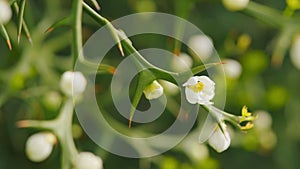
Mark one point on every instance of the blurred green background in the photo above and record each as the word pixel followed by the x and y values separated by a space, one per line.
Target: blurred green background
pixel 29 73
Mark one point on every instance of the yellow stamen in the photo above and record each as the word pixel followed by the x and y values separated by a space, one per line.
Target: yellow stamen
pixel 197 87
pixel 245 112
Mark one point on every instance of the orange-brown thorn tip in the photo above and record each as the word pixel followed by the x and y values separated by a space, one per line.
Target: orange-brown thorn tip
pixel 30 40
pixel 50 29
pixel 112 70
pixel 176 52
pixel 9 44
pixel 130 122
pixel 121 49
pixel 22 124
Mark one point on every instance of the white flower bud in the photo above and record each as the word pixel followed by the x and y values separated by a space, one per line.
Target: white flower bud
pixel 153 91
pixel 235 5
pixel 263 121
pixel 39 146
pixel 220 140
pixel 199 89
pixel 295 52
pixel 232 68
pixel 181 63
pixel 5 12
pixel 73 83
pixel 201 45
pixel 87 160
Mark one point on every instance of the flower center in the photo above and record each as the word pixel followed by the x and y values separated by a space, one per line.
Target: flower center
pixel 197 87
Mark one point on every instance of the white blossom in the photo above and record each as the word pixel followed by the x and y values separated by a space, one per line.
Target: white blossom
pixel 199 89
pixel 39 146
pixel 73 83
pixel 220 138
pixel 201 45
pixel 87 160
pixel 5 12
pixel 153 91
pixel 235 5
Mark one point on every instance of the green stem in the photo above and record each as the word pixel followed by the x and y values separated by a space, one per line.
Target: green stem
pixel 76 29
pixel 266 14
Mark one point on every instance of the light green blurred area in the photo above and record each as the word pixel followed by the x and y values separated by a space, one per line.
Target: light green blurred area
pixel 30 75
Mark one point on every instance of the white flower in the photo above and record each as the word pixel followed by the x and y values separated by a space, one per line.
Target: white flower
pixel 73 83
pixel 39 146
pixel 153 91
pixel 295 52
pixel 5 12
pixel 181 63
pixel 199 89
pixel 220 140
pixel 169 87
pixel 232 68
pixel 201 45
pixel 235 5
pixel 87 160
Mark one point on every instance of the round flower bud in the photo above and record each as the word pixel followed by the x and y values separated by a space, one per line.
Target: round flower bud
pixel 5 12
pixel 295 52
pixel 181 63
pixel 73 83
pixel 201 45
pixel 199 89
pixel 87 160
pixel 153 91
pixel 39 146
pixel 235 5
pixel 232 68
pixel 263 121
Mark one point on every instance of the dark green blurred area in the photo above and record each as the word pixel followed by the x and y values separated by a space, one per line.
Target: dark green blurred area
pixel 260 87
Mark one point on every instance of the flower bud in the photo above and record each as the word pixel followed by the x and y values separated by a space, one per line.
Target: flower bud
pixel 5 12
pixel 235 5
pixel 73 83
pixel 201 45
pixel 232 68
pixel 87 160
pixel 153 91
pixel 181 63
pixel 39 146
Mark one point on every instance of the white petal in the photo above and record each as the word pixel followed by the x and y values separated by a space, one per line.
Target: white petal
pixel 218 140
pixel 203 97
pixel 153 91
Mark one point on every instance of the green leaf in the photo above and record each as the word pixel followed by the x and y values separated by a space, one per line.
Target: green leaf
pixel 16 9
pixel 266 14
pixel 6 36
pixel 62 22
pixel 20 17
